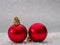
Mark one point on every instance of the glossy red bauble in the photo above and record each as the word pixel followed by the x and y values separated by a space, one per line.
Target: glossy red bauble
pixel 38 32
pixel 17 33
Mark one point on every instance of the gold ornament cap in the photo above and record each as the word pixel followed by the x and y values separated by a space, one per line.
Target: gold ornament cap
pixel 16 21
pixel 29 39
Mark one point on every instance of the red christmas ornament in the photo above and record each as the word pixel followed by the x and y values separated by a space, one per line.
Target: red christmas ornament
pixel 37 32
pixel 17 32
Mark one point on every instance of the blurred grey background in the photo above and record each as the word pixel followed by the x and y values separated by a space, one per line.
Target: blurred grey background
pixel 46 12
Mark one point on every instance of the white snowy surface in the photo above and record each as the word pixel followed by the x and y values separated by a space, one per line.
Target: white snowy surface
pixel 52 39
